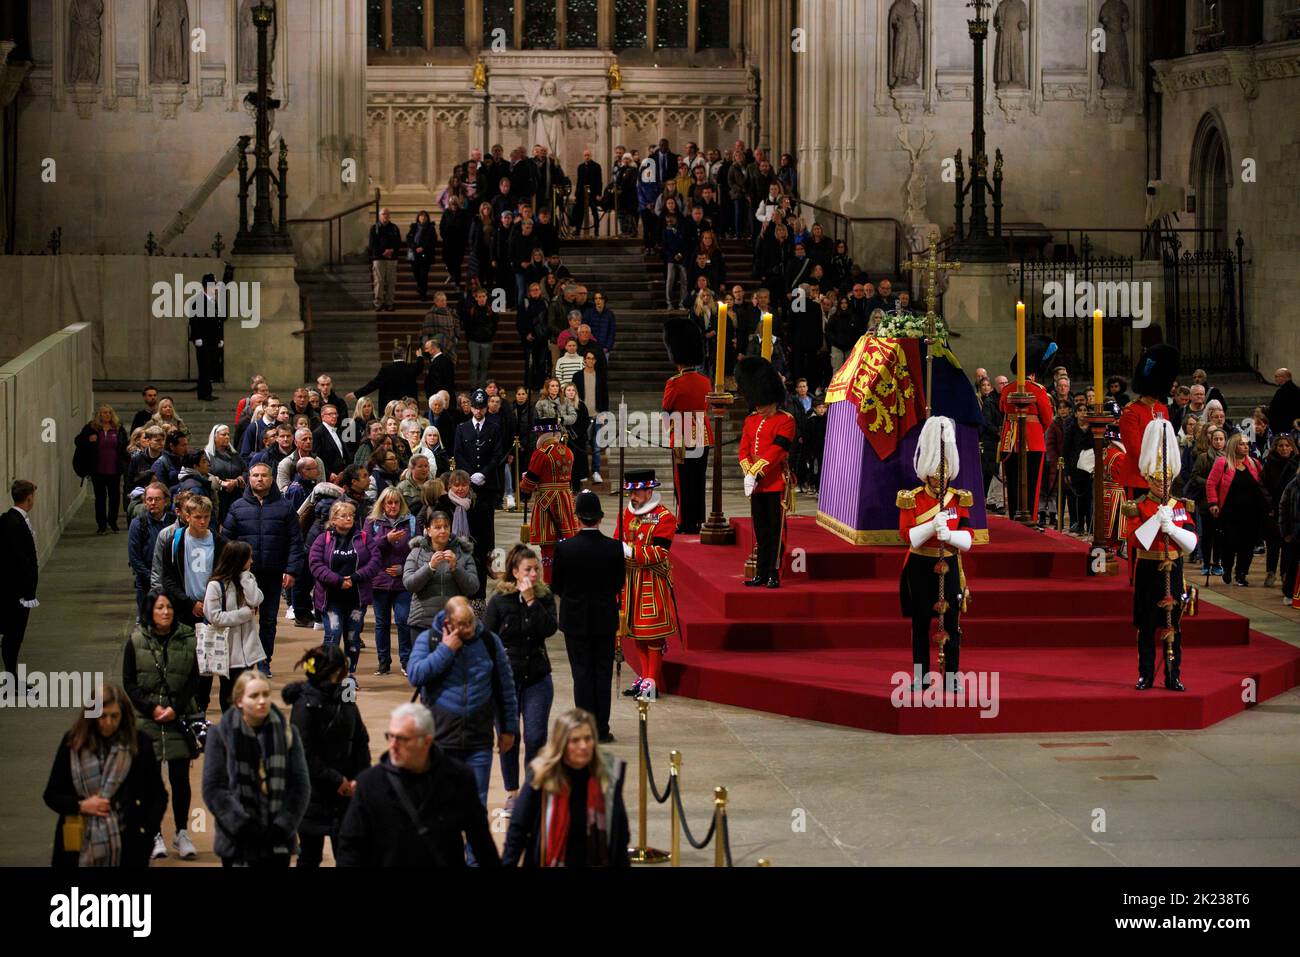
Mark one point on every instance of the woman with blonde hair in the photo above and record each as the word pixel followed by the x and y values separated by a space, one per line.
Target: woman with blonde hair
pixel 100 452
pixel 1239 503
pixel 570 812
pixel 255 779
pixel 390 529
pixel 343 564
pixel 1211 443
pixel 167 418
pixel 363 414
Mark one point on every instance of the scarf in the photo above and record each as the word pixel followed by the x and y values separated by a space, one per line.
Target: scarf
pixel 555 826
pixel 262 776
pixel 96 775
pixel 459 521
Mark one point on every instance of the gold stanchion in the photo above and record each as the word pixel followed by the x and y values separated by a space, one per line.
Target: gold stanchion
pixel 719 815
pixel 674 781
pixel 764 862
pixel 643 853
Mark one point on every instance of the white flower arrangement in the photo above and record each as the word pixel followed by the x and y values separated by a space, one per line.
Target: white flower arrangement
pixel 905 325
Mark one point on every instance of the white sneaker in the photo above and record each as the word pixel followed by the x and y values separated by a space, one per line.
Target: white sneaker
pixel 159 847
pixel 595 477
pixel 510 502
pixel 184 846
pixel 288 614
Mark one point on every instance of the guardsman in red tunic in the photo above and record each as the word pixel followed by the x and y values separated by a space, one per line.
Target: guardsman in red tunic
pixel 934 533
pixel 1114 458
pixel 1155 373
pixel 1160 530
pixel 686 412
pixel 648 613
pixel 764 453
pixel 1010 447
pixel 549 470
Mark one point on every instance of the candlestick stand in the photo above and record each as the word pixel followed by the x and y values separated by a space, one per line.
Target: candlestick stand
pixel 717 530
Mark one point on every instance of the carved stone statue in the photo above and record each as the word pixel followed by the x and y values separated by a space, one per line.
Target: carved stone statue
pixel 905 45
pixel 548 106
pixel 615 77
pixel 84 47
pixel 169 60
pixel 246 57
pixel 1114 63
pixel 1010 21
pixel 916 180
pixel 480 74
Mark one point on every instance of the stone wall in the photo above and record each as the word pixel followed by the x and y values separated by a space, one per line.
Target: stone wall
pixel 1249 97
pixel 1066 139
pixel 45 399
pixel 114 297
pixel 130 151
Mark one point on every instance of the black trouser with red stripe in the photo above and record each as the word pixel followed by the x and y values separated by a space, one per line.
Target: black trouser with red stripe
pixel 1148 617
pixel 691 473
pixel 918 594
pixel 765 510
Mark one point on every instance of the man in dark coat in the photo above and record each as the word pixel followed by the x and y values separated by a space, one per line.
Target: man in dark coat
pixel 206 330
pixel 480 449
pixel 590 185
pixel 18 574
pixel 441 374
pixel 267 521
pixel 588 575
pixel 394 380
pixel 412 808
pixel 1285 407
pixel 330 446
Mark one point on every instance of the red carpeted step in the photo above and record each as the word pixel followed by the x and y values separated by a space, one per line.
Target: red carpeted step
pixel 1037 690
pixel 825 645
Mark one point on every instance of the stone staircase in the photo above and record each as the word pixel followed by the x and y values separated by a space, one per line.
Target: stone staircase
pixel 349 340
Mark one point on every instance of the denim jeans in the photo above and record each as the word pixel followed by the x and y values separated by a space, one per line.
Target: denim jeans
pixel 271 584
pixel 336 621
pixel 399 604
pixel 535 712
pixel 592 430
pixel 480 353
pixel 480 763
pixel 740 212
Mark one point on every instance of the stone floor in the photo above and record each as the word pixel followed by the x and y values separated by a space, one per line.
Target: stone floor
pixel 801 793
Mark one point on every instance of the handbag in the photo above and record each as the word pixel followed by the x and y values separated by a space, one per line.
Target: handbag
pixel 74 828
pixel 212 645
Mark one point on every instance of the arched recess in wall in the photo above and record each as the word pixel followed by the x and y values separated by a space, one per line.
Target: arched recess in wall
pixel 1210 175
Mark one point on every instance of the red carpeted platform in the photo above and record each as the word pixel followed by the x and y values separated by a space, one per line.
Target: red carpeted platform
pixel 1059 644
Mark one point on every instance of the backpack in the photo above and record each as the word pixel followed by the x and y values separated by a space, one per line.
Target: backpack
pixel 497 694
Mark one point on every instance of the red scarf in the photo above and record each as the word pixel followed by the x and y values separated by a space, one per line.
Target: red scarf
pixel 555 820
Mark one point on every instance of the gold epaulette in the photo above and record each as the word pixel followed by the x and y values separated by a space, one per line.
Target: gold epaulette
pixel 964 498
pixel 1189 504
pixel 1130 509
pixel 907 497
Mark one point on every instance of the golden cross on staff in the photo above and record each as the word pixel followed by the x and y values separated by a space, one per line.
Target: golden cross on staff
pixel 932 268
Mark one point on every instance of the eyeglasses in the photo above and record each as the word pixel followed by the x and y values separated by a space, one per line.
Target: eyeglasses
pixel 401 738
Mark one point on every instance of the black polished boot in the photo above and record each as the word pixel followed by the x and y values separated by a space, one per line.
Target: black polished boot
pixel 773 582
pixel 1144 684
pixel 755 581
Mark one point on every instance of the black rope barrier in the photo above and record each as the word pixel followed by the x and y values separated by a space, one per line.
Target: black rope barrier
pixel 681 817
pixel 725 838
pixel 649 768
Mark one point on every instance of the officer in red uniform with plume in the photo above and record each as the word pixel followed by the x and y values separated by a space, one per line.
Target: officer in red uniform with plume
pixel 648 615
pixel 1160 530
pixel 686 412
pixel 1155 373
pixel 1041 352
pixel 934 520
pixel 764 453
pixel 549 472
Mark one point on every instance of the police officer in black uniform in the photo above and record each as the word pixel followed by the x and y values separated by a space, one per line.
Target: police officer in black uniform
pixel 480 449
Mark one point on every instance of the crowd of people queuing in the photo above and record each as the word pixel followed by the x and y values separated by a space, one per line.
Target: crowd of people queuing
pixel 372 501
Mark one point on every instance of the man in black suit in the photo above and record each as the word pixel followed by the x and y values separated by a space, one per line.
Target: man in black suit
pixel 588 575
pixel 480 449
pixel 441 374
pixel 18 573
pixel 329 444
pixel 665 162
pixel 394 380
pixel 590 186
pixel 206 330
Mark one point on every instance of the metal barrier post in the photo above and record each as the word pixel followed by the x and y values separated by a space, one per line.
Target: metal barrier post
pixel 720 815
pixel 642 853
pixel 674 781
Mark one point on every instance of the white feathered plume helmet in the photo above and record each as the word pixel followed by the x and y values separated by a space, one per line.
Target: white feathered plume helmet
pixel 937 429
pixel 1152 463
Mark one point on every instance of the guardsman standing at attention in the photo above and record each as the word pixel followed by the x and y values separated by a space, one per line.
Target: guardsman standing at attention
pixel 648 613
pixel 1160 530
pixel 1114 459
pixel 1155 373
pixel 1010 447
pixel 765 445
pixel 549 472
pixel 934 520
pixel 687 413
